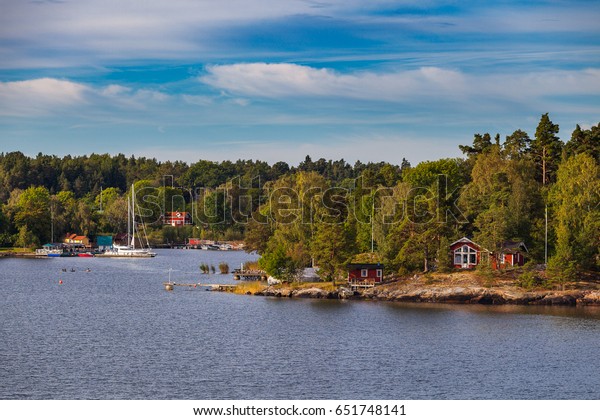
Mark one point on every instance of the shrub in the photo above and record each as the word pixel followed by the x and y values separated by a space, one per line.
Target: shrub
pixel 530 280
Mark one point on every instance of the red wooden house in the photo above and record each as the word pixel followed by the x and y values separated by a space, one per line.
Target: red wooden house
pixel 177 218
pixel 466 253
pixel 511 254
pixel 365 275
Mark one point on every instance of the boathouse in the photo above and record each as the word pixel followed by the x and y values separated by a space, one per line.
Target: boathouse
pixel 365 275
pixel 466 253
pixel 104 242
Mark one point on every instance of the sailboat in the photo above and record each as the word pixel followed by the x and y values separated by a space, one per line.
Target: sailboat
pixel 130 249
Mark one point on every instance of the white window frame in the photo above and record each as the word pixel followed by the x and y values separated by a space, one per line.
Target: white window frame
pixel 465 251
pixel 364 272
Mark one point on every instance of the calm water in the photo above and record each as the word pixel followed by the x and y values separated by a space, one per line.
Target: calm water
pixel 114 333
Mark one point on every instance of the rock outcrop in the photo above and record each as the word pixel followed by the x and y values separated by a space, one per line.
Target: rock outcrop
pixel 447 294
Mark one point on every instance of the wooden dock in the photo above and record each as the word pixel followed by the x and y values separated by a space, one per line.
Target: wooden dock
pixel 170 286
pixel 250 275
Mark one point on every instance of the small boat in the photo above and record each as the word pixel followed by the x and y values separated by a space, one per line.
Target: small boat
pixel 85 254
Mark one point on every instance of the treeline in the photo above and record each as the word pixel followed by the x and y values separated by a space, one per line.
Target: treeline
pixel 536 189
pixel 43 198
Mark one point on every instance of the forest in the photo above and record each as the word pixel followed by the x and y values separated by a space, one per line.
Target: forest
pixel 536 189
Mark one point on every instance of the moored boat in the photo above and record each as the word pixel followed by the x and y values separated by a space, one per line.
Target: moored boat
pixel 130 250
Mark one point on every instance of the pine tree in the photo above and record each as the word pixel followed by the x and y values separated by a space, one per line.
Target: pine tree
pixel 546 149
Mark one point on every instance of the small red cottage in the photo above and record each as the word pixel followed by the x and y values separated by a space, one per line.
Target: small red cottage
pixel 466 253
pixel 178 218
pixel 511 254
pixel 365 275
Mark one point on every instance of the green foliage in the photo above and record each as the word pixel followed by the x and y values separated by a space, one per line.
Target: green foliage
pixel 584 141
pixel 530 280
pixel 33 212
pixel 516 145
pixel 481 144
pixel 561 270
pixel 330 249
pixel 575 202
pixel 277 262
pixel 26 238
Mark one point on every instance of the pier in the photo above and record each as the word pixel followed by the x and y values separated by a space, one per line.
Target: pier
pixel 250 275
pixel 170 286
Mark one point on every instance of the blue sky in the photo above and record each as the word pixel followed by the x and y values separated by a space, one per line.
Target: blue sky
pixel 377 80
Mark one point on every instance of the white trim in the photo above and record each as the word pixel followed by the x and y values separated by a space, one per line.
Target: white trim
pixel 465 239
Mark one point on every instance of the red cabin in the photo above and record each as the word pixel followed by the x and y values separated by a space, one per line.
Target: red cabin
pixel 466 253
pixel 365 275
pixel 178 218
pixel 512 254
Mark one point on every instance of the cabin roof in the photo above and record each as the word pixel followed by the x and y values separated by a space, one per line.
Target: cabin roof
pixel 465 239
pixel 509 247
pixel 356 266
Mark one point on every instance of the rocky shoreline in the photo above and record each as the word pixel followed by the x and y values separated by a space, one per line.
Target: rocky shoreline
pixel 452 294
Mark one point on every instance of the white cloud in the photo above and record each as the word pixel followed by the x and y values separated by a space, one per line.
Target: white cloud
pixel 286 80
pixel 291 80
pixel 48 96
pixel 39 96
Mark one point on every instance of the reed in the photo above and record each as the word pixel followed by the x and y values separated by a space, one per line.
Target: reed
pixel 204 268
pixel 249 287
pixel 223 268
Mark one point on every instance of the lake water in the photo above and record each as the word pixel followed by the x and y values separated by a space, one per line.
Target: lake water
pixel 115 333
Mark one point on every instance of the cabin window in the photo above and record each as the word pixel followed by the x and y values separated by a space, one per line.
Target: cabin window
pixel 465 255
pixel 379 273
pixel 364 272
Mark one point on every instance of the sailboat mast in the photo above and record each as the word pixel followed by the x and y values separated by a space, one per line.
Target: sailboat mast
pixel 133 216
pixel 128 220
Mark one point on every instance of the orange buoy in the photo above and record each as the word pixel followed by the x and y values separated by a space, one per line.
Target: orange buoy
pixel 60 282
